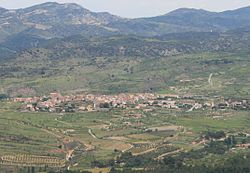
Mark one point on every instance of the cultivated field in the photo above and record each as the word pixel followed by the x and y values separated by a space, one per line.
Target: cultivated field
pixel 55 140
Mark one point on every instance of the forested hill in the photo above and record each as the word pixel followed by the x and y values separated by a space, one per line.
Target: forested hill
pixel 112 46
pixel 54 20
pixel 67 47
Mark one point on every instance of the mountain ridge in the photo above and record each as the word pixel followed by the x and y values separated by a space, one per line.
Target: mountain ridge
pixel 55 20
pixel 53 3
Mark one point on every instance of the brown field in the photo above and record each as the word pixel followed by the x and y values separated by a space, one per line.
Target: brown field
pixel 118 138
pixel 165 128
pixel 143 136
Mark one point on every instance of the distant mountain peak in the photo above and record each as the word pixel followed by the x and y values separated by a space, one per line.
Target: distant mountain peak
pixel 72 5
pixel 46 4
pixel 240 9
pixel 49 3
pixel 182 11
pixel 240 12
pixel 53 20
pixel 2 10
pixel 55 5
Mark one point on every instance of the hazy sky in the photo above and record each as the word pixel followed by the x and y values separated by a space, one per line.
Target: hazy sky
pixel 137 8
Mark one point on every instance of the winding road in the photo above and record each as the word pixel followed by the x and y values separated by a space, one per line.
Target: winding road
pixel 166 154
pixel 210 79
pixel 92 134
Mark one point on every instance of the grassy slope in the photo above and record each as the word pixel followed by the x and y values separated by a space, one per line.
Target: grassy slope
pixel 125 74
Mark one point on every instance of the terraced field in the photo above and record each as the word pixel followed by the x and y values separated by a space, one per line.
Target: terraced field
pixel 32 161
pixel 55 140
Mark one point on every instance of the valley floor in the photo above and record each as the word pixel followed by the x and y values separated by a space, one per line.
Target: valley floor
pixel 106 139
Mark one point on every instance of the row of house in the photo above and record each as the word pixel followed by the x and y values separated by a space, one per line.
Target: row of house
pixel 55 102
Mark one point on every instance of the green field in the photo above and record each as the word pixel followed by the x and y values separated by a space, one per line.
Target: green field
pixel 44 134
pixel 182 74
pixel 98 138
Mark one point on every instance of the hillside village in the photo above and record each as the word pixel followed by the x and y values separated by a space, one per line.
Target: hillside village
pixel 56 102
